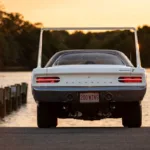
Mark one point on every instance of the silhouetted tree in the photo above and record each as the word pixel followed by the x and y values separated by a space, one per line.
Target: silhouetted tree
pixel 19 42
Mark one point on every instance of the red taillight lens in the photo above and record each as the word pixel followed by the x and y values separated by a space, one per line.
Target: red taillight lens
pixel 47 79
pixel 130 79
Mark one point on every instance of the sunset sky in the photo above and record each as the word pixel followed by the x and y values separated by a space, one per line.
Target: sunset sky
pixel 82 12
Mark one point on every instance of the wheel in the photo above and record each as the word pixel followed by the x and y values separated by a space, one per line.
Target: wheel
pixel 46 116
pixel 132 118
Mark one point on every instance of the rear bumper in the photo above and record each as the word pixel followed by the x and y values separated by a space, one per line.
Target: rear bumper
pixel 62 94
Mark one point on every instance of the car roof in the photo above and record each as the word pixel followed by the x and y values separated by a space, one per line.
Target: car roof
pixel 90 50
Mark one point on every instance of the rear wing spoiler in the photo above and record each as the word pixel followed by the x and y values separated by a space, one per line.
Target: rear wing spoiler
pixel 138 61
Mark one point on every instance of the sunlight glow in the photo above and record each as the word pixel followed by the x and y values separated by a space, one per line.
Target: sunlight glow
pixel 82 13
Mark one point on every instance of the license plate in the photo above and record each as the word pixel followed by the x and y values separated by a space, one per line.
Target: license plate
pixel 89 97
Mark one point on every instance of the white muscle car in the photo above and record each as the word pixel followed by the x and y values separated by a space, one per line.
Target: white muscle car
pixel 89 84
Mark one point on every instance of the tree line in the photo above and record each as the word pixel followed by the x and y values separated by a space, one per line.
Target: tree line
pixel 19 42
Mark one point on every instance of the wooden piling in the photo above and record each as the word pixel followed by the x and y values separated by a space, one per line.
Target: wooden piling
pixel 2 104
pixel 8 100
pixel 18 94
pixel 14 97
pixel 24 91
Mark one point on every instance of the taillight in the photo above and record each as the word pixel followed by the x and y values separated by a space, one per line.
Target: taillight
pixel 47 79
pixel 130 79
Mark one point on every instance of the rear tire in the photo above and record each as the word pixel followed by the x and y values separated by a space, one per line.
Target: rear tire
pixel 132 118
pixel 46 116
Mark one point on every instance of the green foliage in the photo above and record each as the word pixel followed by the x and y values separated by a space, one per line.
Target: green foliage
pixel 19 42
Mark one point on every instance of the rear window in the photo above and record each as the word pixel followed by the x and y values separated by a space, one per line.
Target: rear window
pixel 88 58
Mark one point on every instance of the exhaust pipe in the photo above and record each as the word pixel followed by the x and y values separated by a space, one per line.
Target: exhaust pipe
pixel 69 97
pixel 108 96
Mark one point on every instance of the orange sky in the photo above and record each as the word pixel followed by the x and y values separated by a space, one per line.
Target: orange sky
pixel 82 12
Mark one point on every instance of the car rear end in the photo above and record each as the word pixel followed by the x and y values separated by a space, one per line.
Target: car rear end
pixel 62 84
pixel 87 89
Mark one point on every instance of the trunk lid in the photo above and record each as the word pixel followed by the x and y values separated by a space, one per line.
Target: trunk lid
pixel 89 69
pixel 87 75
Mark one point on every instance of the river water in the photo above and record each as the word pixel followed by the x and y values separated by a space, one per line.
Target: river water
pixel 26 115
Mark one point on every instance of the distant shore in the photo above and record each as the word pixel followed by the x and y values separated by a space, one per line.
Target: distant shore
pixel 16 68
